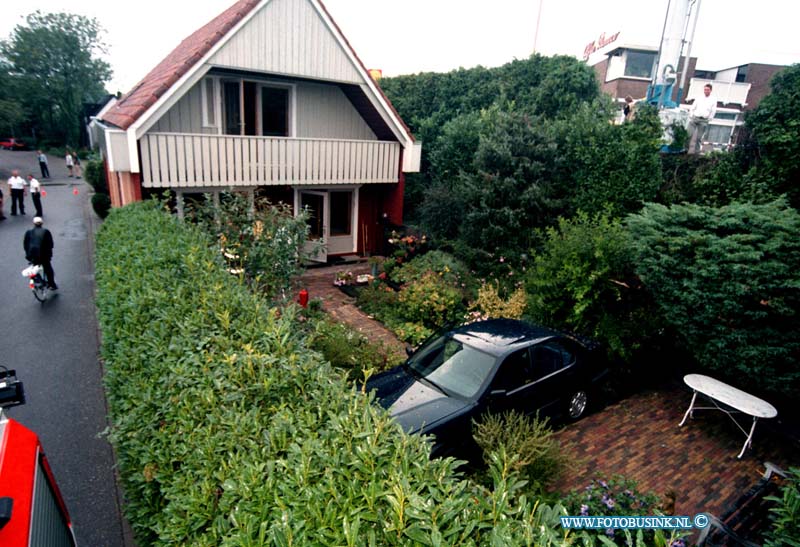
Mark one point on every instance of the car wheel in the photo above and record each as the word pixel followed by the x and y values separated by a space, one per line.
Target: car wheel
pixel 577 404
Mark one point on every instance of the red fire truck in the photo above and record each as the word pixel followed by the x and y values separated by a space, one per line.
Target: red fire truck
pixel 32 511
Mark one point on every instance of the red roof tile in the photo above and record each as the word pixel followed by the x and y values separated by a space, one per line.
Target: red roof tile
pixel 145 94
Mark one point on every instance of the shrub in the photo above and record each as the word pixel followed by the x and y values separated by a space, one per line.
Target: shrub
pixel 348 349
pixel 491 304
pixel 432 302
pixel 728 280
pixel 101 203
pixel 230 431
pixel 538 454
pixel 583 281
pixel 618 496
pixel 785 515
pixel 260 240
pixel 95 174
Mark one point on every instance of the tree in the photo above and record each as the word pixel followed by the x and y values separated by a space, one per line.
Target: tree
pixel 775 127
pixel 728 280
pixel 54 57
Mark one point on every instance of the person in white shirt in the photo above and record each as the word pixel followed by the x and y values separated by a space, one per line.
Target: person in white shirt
pixel 17 186
pixel 702 111
pixel 36 194
pixel 70 162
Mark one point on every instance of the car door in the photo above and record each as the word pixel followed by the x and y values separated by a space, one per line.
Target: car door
pixel 513 385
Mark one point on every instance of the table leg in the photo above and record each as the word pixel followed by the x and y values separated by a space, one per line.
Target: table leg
pixel 688 412
pixel 749 440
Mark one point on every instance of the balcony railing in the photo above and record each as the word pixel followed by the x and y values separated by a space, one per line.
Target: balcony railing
pixel 187 160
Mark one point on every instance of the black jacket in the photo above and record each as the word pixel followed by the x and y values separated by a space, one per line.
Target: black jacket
pixel 38 244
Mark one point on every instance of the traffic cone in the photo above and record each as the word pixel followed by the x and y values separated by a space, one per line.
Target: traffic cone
pixel 74 191
pixel 44 193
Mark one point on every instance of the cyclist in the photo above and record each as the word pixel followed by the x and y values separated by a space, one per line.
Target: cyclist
pixel 38 245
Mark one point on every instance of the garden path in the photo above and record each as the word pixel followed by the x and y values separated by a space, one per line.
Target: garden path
pixel 318 281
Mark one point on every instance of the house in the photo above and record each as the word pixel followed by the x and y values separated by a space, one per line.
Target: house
pixel 268 98
pixel 627 70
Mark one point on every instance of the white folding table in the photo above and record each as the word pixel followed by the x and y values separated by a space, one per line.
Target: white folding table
pixel 736 399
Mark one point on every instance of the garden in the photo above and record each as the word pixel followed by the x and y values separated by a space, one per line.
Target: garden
pixel 238 418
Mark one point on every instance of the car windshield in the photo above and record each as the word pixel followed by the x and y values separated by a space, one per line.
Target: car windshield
pixel 452 366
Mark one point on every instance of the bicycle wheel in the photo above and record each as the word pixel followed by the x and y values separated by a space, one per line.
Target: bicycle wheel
pixel 39 289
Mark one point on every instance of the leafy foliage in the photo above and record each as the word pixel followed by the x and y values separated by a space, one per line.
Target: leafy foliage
pixel 727 279
pixel 616 166
pixel 538 454
pixel 261 240
pixel 582 280
pixel 55 59
pixel 101 203
pixel 491 304
pixel 94 173
pixel 785 515
pixel 230 431
pixel 775 127
pixel 617 496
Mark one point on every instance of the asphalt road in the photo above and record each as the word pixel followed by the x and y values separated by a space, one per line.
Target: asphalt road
pixel 54 348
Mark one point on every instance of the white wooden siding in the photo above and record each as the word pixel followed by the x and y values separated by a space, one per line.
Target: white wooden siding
pixel 288 37
pixel 323 111
pixel 186 116
pixel 189 160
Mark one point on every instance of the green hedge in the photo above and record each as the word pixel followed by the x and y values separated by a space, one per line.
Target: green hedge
pixel 230 432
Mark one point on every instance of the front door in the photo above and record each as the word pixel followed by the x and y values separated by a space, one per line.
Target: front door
pixel 317 204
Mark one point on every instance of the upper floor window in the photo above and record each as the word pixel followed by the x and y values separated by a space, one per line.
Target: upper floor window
pixel 741 74
pixel 209 98
pixel 639 64
pixel 256 108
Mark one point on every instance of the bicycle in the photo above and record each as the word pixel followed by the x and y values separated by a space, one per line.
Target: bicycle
pixel 37 281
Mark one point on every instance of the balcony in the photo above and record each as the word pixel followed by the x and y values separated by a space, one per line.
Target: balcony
pixel 177 160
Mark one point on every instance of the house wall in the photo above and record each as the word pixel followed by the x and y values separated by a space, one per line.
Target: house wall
pixel 323 111
pixel 186 116
pixel 288 37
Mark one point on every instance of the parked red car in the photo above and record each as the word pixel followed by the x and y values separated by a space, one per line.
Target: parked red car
pixel 12 144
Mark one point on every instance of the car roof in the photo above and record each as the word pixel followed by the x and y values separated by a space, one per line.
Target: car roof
pixel 499 336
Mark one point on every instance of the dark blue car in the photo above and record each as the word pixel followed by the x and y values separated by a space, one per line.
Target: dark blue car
pixel 489 366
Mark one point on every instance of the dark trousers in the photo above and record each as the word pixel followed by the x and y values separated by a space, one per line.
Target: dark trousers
pixel 45 170
pixel 17 197
pixel 37 203
pixel 49 274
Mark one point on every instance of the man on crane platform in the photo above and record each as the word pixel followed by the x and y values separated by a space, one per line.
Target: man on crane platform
pixel 702 111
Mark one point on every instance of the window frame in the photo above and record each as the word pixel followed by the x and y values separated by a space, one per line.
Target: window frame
pixel 215 102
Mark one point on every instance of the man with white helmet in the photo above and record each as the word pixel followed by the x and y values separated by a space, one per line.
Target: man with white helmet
pixel 38 245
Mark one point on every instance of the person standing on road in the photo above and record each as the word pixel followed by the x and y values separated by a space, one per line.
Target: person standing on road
pixel 77 163
pixel 36 194
pixel 2 216
pixel 38 245
pixel 16 185
pixel 42 157
pixel 703 110
pixel 70 163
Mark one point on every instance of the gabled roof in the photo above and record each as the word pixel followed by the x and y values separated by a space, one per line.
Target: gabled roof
pixel 145 94
pixel 191 50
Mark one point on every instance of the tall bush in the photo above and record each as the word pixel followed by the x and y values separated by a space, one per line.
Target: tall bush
pixel 229 431
pixel 728 280
pixel 259 239
pixel 582 280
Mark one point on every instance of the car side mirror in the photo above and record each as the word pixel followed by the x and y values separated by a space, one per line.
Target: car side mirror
pixel 409 351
